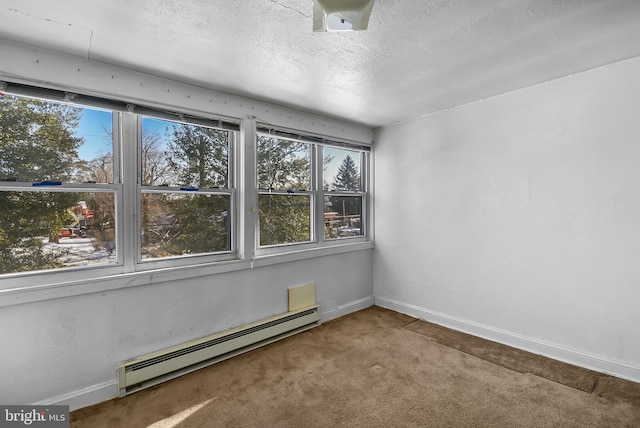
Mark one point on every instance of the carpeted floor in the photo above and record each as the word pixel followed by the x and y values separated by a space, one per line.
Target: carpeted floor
pixel 378 368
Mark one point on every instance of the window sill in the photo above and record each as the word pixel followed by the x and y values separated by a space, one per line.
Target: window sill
pixel 308 253
pixel 36 293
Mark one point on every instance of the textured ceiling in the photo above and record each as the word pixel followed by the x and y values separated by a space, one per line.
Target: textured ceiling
pixel 418 56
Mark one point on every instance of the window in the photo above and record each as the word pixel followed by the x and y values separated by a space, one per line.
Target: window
pixel 57 193
pixel 300 177
pixel 343 196
pixel 284 195
pixel 186 195
pixel 64 191
pixel 91 187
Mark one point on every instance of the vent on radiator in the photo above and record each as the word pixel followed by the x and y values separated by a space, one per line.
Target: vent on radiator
pixel 151 369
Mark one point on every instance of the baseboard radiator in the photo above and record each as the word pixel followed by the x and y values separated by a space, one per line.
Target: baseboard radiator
pixel 152 369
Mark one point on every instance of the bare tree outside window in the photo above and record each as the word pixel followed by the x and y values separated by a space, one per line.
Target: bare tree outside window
pixel 184 156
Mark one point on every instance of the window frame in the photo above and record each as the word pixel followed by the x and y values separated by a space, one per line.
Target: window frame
pixel 126 188
pixel 113 188
pixel 142 264
pixel 311 193
pixel 72 273
pixel 317 191
pixel 243 191
pixel 362 194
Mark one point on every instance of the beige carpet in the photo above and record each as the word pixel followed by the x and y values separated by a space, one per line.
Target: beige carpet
pixel 378 368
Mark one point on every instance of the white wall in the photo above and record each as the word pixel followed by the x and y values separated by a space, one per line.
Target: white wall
pixel 65 350
pixel 517 218
pixel 60 342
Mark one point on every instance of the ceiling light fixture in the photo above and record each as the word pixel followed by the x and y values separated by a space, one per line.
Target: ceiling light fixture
pixel 341 15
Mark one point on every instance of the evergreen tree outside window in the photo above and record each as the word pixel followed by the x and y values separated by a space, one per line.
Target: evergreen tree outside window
pixel 347 177
pixel 57 198
pixel 293 206
pixel 343 196
pixel 284 191
pixel 87 182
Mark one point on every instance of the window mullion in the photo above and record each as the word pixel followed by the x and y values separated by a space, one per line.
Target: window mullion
pixel 247 191
pixel 116 137
pixel 367 204
pixel 118 168
pixel 318 212
pixel 129 220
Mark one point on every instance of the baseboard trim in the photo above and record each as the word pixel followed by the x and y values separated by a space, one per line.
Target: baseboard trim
pixel 547 349
pixel 347 308
pixel 105 391
pixel 84 397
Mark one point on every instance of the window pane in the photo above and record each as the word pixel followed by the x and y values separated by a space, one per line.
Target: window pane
pixel 342 170
pixel 284 219
pixel 49 230
pixel 283 164
pixel 182 155
pixel 342 216
pixel 175 224
pixel 45 140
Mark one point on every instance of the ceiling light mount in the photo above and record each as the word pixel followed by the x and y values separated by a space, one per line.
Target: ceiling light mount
pixel 341 15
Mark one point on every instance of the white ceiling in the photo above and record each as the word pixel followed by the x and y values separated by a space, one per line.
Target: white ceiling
pixel 418 56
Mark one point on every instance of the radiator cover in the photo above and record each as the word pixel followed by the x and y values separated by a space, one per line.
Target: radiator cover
pixel 152 369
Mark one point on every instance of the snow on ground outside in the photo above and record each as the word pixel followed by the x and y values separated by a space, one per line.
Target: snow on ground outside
pixel 80 252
